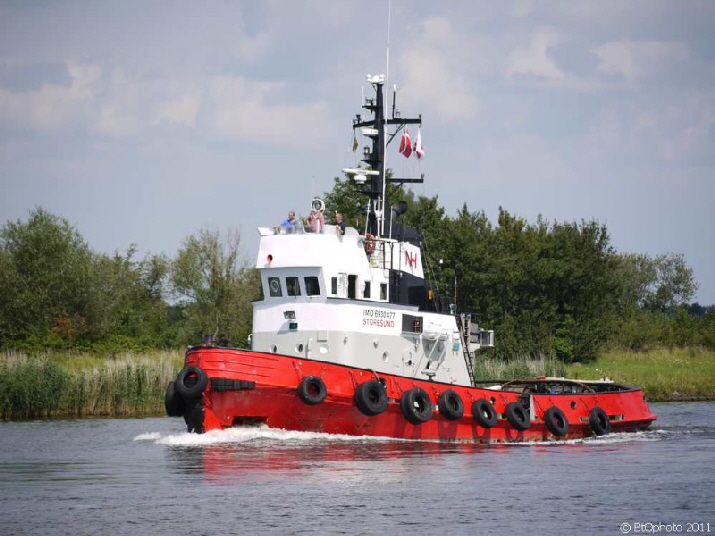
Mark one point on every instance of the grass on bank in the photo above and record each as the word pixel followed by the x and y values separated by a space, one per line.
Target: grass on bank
pixel 664 374
pixel 78 385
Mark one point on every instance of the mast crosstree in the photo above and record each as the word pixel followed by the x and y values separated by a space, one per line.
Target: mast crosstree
pixel 374 156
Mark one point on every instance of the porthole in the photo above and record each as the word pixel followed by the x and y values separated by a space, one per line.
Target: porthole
pixel 299 348
pixel 573 405
pixel 274 349
pixel 385 356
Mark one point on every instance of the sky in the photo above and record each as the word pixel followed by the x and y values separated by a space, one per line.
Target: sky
pixel 144 122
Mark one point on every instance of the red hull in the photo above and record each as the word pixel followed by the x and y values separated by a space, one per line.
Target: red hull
pixel 263 389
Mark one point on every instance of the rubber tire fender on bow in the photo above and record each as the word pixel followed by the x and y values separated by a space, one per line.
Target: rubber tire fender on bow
pixel 371 397
pixel 312 390
pixel 555 420
pixel 599 422
pixel 450 405
pixel 517 416
pixel 173 402
pixel 484 413
pixel 185 384
pixel 416 406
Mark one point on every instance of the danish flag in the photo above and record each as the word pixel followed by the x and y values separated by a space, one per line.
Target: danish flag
pixel 405 144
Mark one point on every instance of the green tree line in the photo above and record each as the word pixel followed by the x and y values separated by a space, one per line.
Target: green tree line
pixel 546 288
pixel 57 293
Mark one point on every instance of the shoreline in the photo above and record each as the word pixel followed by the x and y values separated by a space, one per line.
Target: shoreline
pixel 71 386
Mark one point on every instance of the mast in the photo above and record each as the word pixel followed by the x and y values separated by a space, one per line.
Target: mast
pixel 374 156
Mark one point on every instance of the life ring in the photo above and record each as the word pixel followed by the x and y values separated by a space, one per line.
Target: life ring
pixel 484 413
pixel 416 405
pixel 517 416
pixel 450 405
pixel 191 382
pixel 599 422
pixel 369 243
pixel 312 390
pixel 173 402
pixel 555 420
pixel 371 397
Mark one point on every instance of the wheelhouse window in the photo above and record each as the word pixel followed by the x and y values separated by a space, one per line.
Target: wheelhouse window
pixel 292 286
pixel 274 287
pixel 312 286
pixel 352 284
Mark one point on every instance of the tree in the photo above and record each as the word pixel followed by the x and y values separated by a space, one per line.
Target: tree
pixel 129 304
pixel 45 274
pixel 655 283
pixel 215 289
pixel 346 198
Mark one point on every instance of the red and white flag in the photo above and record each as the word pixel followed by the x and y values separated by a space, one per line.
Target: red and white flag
pixel 419 149
pixel 405 144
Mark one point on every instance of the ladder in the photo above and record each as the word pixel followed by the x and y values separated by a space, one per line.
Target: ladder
pixel 464 324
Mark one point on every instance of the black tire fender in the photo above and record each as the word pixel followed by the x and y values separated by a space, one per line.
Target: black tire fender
pixel 555 420
pixel 416 406
pixel 484 413
pixel 450 405
pixel 173 402
pixel 371 397
pixel 194 416
pixel 312 390
pixel 191 382
pixel 517 416
pixel 599 422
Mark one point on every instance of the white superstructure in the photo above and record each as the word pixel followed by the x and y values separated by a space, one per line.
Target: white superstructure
pixel 325 297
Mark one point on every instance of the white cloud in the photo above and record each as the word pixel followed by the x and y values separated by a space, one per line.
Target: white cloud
pixel 52 105
pixel 634 60
pixel 534 59
pixel 121 104
pixel 240 109
pixel 181 109
pixel 436 69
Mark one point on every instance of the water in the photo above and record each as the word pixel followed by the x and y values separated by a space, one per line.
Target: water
pixel 145 476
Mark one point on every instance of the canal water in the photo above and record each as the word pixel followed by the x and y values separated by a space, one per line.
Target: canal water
pixel 146 476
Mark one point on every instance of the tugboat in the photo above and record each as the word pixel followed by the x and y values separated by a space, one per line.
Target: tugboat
pixel 348 338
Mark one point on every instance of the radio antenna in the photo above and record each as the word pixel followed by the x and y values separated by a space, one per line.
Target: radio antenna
pixel 384 139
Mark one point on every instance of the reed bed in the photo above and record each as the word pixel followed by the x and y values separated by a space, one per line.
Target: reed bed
pixel 57 385
pixel 83 385
pixel 664 374
pixel 496 369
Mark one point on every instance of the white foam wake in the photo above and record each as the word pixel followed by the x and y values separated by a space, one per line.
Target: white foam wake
pixel 245 435
pixel 263 433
